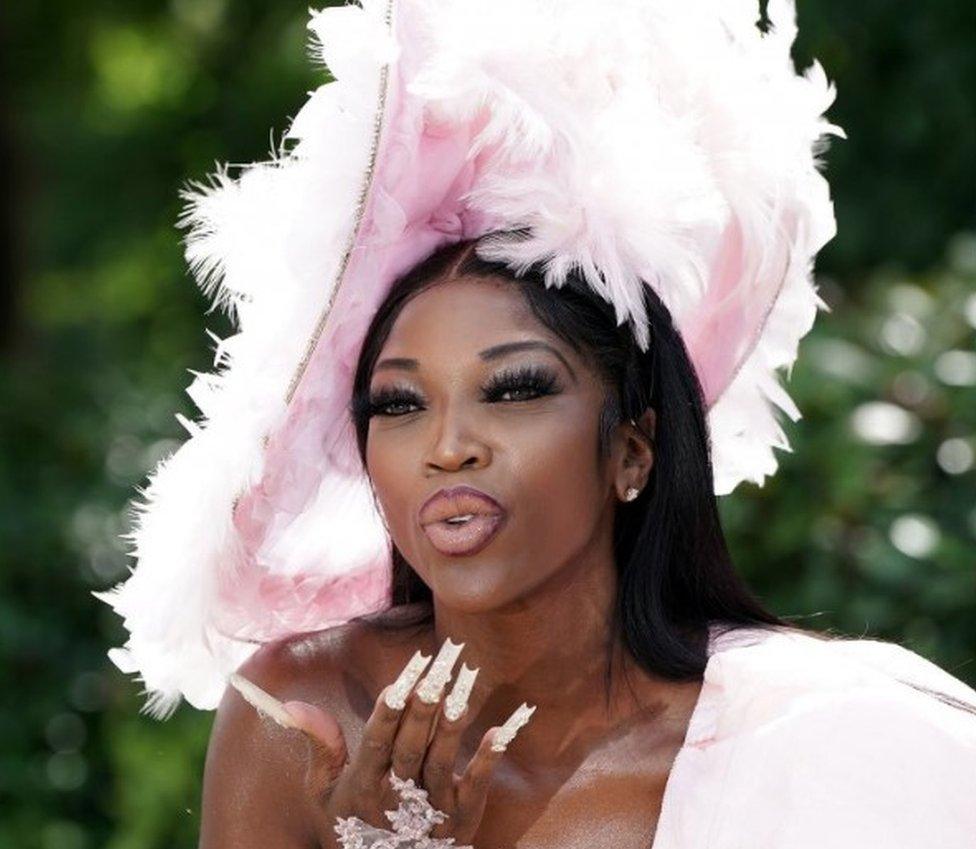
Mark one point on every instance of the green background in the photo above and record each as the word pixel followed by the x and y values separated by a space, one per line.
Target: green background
pixel 107 106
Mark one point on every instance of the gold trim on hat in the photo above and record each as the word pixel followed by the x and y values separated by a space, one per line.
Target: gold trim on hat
pixel 360 214
pixel 367 183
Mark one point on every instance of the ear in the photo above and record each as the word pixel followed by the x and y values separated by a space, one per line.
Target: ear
pixel 637 458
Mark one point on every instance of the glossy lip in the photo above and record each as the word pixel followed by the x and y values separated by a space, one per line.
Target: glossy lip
pixel 458 500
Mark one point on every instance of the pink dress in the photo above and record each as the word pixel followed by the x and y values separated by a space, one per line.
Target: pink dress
pixel 800 743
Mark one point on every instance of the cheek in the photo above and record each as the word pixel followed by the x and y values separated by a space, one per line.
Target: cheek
pixel 390 463
pixel 561 491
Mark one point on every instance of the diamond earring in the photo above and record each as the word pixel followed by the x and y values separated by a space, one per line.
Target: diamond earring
pixel 631 493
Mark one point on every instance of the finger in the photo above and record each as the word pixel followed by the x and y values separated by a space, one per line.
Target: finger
pixel 372 759
pixel 414 733
pixel 472 790
pixel 321 726
pixel 329 754
pixel 438 768
pixel 410 745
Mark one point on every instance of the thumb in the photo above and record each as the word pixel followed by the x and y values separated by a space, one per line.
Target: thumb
pixel 323 728
pixel 329 752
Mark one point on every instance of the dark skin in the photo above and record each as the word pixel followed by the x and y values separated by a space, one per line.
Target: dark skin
pixel 532 608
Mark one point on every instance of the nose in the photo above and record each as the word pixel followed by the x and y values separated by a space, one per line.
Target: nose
pixel 456 445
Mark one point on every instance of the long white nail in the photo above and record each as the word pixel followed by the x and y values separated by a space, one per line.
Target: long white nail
pixel 457 699
pixel 265 703
pixel 396 694
pixel 507 732
pixel 430 689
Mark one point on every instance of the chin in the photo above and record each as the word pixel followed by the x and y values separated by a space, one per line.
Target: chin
pixel 469 585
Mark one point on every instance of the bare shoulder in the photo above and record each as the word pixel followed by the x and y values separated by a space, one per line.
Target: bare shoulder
pixel 254 781
pixel 342 668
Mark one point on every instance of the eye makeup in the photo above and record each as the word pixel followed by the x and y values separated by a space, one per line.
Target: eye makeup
pixel 520 383
pixel 535 379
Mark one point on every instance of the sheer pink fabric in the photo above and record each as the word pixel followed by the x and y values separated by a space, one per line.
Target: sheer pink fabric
pixel 799 743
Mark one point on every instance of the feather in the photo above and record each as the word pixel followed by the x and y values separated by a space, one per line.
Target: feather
pixel 635 142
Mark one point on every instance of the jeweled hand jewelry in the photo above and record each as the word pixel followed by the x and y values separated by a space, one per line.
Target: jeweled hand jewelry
pixel 412 822
pixel 507 732
pixel 396 694
pixel 457 699
pixel 432 686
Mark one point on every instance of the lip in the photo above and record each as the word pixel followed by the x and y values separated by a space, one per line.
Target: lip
pixel 461 539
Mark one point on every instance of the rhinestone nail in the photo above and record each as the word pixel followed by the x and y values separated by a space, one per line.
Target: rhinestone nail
pixel 507 732
pixel 430 689
pixel 264 703
pixel 457 699
pixel 396 694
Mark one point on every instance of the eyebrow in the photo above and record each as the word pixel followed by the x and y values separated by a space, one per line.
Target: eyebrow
pixel 489 354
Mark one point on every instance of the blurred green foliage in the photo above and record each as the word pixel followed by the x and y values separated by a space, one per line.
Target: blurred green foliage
pixel 108 106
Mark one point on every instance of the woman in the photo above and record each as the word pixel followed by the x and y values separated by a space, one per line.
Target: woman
pixel 581 600
pixel 581 248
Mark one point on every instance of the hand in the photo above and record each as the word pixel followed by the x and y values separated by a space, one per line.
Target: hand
pixel 411 732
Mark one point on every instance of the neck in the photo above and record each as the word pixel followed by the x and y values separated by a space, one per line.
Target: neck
pixel 550 649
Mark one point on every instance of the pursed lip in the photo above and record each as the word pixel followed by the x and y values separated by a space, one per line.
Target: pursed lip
pixel 458 501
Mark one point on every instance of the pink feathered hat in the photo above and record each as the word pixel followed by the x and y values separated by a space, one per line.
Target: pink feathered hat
pixel 638 142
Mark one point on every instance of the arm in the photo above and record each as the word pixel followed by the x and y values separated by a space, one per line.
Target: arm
pixel 253 788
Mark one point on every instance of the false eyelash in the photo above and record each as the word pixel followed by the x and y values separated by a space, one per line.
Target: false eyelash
pixel 378 402
pixel 538 380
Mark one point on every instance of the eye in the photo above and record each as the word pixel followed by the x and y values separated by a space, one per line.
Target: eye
pixel 391 401
pixel 523 382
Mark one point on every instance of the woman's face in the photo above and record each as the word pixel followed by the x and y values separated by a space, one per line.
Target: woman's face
pixel 451 408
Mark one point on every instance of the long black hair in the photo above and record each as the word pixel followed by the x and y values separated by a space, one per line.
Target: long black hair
pixel 676 576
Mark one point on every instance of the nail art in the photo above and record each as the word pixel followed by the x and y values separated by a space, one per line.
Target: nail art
pixel 396 694
pixel 507 732
pixel 457 700
pixel 432 686
pixel 266 704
